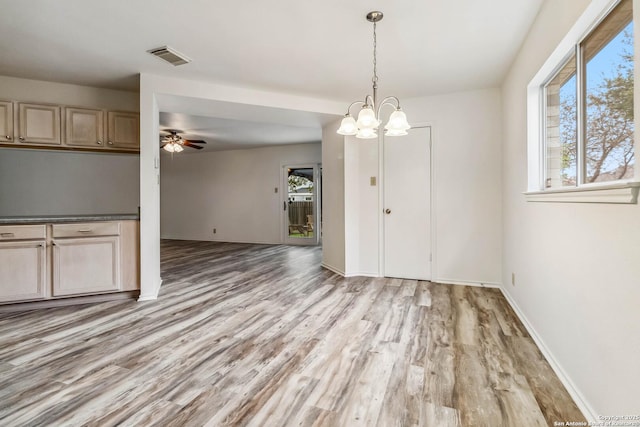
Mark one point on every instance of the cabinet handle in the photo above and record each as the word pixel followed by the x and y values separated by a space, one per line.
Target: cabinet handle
pixel 99 142
pixel 21 138
pixel 84 230
pixel 7 137
pixel 7 234
pixel 109 142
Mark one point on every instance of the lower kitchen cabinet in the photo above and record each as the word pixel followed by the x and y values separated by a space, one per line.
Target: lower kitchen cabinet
pixel 86 265
pixel 59 260
pixel 23 266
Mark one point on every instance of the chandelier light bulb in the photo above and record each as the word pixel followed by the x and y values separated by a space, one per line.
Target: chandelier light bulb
pixel 397 123
pixel 392 132
pixel 169 147
pixel 367 133
pixel 177 148
pixel 348 126
pixel 367 119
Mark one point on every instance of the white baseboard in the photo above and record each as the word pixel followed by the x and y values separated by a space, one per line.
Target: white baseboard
pixel 265 242
pixel 61 302
pixel 468 283
pixel 153 295
pixel 586 409
pixel 362 274
pixel 334 269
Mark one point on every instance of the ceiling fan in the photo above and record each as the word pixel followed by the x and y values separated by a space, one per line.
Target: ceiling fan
pixel 174 143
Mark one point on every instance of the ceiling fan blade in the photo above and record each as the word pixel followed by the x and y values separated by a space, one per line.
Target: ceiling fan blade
pixel 195 141
pixel 191 145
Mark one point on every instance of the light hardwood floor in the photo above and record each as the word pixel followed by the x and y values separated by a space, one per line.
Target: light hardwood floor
pixel 262 336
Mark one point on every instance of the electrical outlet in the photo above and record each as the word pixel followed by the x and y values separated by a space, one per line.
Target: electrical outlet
pixel 214 231
pixel 513 279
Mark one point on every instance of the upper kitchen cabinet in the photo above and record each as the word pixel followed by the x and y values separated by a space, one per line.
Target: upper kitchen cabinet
pixel 84 127
pixel 6 121
pixel 123 130
pixel 39 124
pixel 50 126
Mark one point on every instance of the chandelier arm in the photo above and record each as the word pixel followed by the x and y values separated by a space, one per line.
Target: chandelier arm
pixel 387 101
pixel 352 104
pixel 370 101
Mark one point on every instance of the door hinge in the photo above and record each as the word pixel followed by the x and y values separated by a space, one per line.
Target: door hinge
pixel 430 257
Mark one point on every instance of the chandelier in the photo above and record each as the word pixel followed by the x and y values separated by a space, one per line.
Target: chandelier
pixel 366 127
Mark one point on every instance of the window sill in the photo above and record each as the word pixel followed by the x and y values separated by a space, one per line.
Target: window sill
pixel 622 193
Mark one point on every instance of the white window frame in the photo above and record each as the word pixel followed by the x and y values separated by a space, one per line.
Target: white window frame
pixel 607 192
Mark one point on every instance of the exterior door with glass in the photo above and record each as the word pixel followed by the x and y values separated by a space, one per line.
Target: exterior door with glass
pixel 300 206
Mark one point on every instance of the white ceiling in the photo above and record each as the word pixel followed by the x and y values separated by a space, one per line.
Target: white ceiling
pixel 229 134
pixel 322 50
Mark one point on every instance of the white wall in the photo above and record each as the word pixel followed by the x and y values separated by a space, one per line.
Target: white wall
pixel 47 182
pixel 466 183
pixel 362 208
pixel 333 201
pixel 466 180
pixel 150 279
pixel 39 182
pixel 232 191
pixel 576 265
pixel 16 89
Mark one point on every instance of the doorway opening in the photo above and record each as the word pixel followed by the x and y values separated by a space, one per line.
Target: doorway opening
pixel 301 204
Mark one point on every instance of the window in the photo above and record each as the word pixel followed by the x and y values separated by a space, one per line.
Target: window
pixel 581 107
pixel 560 127
pixel 589 108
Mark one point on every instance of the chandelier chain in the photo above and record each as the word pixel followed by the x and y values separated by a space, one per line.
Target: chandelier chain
pixel 375 57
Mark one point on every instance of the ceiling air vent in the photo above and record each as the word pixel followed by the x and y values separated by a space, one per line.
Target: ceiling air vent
pixel 170 55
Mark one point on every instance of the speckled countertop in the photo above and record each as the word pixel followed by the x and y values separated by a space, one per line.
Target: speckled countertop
pixel 38 219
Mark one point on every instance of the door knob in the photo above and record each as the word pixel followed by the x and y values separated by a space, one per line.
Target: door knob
pixel 387 211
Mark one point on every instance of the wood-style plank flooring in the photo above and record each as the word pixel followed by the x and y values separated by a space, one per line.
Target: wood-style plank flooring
pixel 260 335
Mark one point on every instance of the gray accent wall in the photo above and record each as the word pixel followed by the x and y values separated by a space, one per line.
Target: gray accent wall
pixel 44 182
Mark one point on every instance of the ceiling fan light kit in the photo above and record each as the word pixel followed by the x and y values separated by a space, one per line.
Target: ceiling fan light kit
pixel 174 143
pixel 173 147
pixel 368 122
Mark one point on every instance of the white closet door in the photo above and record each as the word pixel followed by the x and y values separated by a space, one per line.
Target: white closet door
pixel 407 205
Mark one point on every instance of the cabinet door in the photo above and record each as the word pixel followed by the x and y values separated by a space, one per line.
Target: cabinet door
pixel 86 265
pixel 123 130
pixel 39 124
pixel 22 270
pixel 84 127
pixel 6 121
